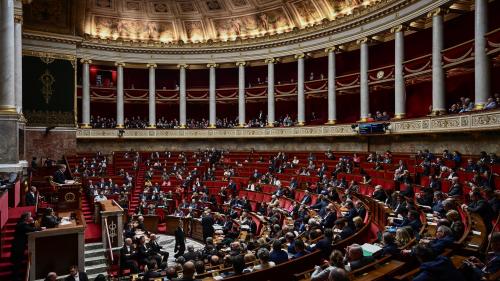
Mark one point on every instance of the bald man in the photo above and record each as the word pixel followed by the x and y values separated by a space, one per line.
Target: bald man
pixel 188 271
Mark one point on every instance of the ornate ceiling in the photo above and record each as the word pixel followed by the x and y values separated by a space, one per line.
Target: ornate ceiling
pixel 189 20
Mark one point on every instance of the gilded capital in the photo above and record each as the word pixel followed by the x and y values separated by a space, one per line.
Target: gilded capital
pixel 118 64
pixel 182 65
pixel 299 56
pixel 331 49
pixel 398 28
pixel 151 65
pixel 362 41
pixel 86 61
pixel 210 65
pixel 437 12
pixel 241 63
pixel 18 18
pixel 271 60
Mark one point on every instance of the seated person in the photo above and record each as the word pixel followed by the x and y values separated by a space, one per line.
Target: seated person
pixel 50 220
pixel 389 245
pixel 238 263
pixel 325 244
pixel 263 255
pixel 59 176
pixel 278 255
pixel 300 249
pixel 188 270
pixel 435 268
pixel 127 257
pixel 355 257
pixel 491 267
pixel 322 271
pixel 344 228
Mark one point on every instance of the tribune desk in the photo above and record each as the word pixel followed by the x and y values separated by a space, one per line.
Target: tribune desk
pixel 111 214
pixel 56 249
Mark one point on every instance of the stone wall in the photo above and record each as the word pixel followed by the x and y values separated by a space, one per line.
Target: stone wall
pixel 467 143
pixel 54 144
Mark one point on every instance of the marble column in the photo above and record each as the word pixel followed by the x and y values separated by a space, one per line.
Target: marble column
pixel 481 65
pixel 85 93
pixel 7 55
pixel 301 101
pixel 119 95
pixel 182 95
pixel 241 93
pixel 332 95
pixel 211 97
pixel 399 81
pixel 152 95
pixel 438 82
pixel 270 91
pixel 18 45
pixel 363 80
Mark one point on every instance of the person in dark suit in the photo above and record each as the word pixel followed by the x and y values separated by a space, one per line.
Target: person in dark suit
pixel 50 220
pixel 325 244
pixel 188 271
pixel 306 200
pixel 59 176
pixel 23 227
pixel 228 224
pixel 75 274
pixel 390 247
pixel 331 216
pixel 152 272
pixel 156 249
pixel 180 241
pixel 127 257
pixel 356 258
pixel 345 229
pixel 278 255
pixel 435 268
pixel 351 213
pixel 144 252
pixel 207 223
pixel 30 198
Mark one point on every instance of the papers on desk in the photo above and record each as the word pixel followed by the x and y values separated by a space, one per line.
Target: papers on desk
pixel 69 182
pixel 475 232
pixel 370 249
pixel 65 221
pixel 472 245
pixel 432 223
pixel 217 227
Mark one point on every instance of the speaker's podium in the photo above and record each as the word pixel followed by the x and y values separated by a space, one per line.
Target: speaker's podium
pixel 111 223
pixel 56 249
pixel 68 195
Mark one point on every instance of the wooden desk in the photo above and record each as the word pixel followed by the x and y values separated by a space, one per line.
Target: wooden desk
pixel 56 249
pixel 379 273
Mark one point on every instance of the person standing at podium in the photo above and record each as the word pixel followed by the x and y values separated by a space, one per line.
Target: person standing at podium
pixel 59 176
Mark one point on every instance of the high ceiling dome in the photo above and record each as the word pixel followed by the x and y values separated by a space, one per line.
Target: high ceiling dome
pixel 185 21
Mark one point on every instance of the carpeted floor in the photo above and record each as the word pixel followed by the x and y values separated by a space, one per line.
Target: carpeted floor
pixel 92 233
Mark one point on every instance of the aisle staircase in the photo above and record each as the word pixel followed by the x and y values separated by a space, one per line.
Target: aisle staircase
pixel 138 188
pixel 95 260
pixel 92 230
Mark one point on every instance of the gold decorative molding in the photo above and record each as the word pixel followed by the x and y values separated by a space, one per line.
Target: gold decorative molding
pixel 398 28
pixel 18 18
pixel 271 60
pixel 48 55
pixel 241 63
pixel 437 12
pixel 182 65
pixel 477 120
pixel 118 64
pixel 151 65
pixel 363 40
pixel 86 61
pixel 299 56
pixel 331 49
pixel 212 65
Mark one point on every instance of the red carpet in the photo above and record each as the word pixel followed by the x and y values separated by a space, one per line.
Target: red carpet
pixel 15 213
pixel 92 233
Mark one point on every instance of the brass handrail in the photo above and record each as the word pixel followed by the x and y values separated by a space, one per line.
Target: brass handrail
pixel 109 240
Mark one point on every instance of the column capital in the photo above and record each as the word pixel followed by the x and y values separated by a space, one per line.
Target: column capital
pixel 86 61
pixel 18 18
pixel 182 65
pixel 331 49
pixel 437 12
pixel 151 65
pixel 299 56
pixel 241 63
pixel 122 64
pixel 210 65
pixel 271 60
pixel 362 41
pixel 399 28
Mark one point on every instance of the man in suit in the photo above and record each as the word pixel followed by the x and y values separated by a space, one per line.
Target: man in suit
pixel 207 223
pixel 50 220
pixel 356 258
pixel 75 274
pixel 23 227
pixel 180 241
pixel 188 271
pixel 156 249
pixel 30 198
pixel 325 244
pixel 331 216
pixel 345 229
pixel 127 257
pixel 306 200
pixel 152 272
pixel 59 176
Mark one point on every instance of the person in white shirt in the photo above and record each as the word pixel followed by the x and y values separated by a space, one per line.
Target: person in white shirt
pixel 100 197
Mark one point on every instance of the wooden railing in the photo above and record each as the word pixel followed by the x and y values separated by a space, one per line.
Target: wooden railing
pixel 109 247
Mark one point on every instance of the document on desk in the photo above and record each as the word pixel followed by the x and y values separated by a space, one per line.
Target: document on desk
pixel 69 182
pixel 370 249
